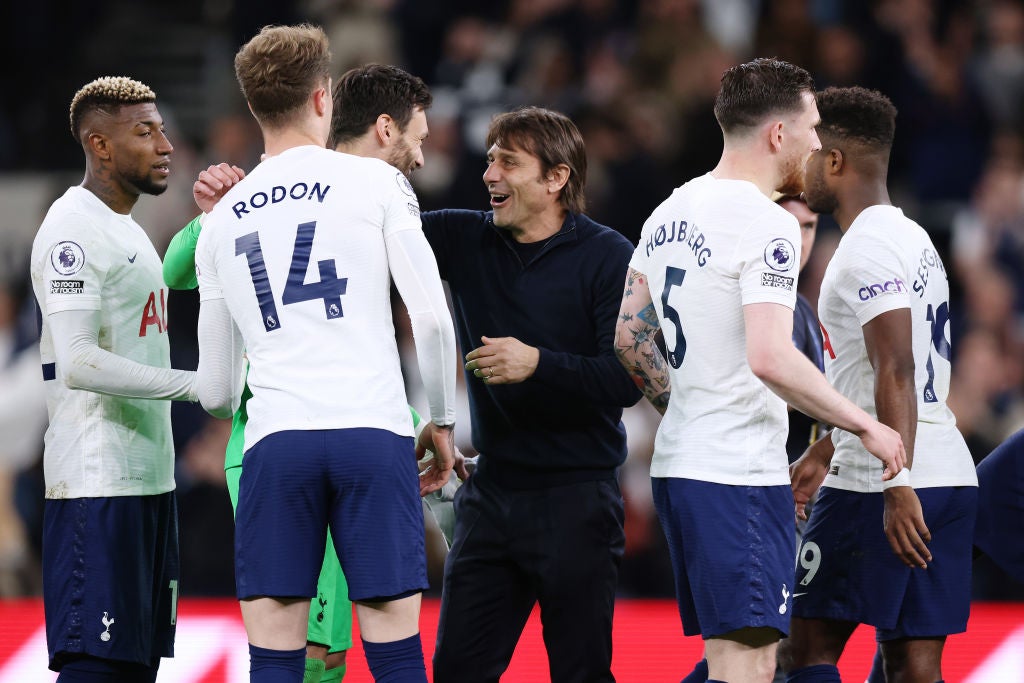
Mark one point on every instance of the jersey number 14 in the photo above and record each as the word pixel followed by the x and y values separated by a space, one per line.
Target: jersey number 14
pixel 329 289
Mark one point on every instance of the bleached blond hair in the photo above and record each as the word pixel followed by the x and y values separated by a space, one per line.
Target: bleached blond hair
pixel 108 91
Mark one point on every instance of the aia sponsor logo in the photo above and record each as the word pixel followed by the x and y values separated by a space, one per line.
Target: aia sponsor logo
pixel 151 315
pixel 826 343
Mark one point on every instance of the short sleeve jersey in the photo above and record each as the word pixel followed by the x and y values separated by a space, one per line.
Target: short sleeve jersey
pixel 711 248
pixel 297 252
pixel 88 257
pixel 885 262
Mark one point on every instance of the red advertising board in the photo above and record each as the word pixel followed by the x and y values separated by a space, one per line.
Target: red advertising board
pixel 649 646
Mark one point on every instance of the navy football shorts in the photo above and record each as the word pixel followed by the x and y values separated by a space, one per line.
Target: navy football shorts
pixel 732 553
pixel 847 571
pixel 363 482
pixel 999 530
pixel 110 578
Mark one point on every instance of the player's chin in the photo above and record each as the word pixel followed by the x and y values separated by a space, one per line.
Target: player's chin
pixel 793 186
pixel 154 185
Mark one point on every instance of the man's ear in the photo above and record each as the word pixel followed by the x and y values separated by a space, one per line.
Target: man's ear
pixel 387 130
pixel 835 162
pixel 98 144
pixel 321 100
pixel 774 132
pixel 557 177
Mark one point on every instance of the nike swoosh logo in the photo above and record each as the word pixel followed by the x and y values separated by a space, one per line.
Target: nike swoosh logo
pixel 131 259
pixel 797 595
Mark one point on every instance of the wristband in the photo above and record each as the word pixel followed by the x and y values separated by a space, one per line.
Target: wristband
pixel 901 479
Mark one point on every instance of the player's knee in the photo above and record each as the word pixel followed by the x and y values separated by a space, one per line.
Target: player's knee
pixel 764 668
pixel 796 652
pixel 905 663
pixel 786 655
pixel 746 654
pixel 336 659
pixel 753 637
pixel 813 642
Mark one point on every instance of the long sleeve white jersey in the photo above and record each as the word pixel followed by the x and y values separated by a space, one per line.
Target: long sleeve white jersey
pixel 105 353
pixel 302 253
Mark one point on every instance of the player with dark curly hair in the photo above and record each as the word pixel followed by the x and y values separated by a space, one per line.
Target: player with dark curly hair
pixel 904 565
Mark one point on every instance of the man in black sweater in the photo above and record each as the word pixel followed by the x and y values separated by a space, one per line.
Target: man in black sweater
pixel 535 287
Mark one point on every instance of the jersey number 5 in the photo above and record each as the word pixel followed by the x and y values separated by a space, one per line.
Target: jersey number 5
pixel 329 289
pixel 673 278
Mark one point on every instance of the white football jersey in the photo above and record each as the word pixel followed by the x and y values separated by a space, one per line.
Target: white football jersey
pixel 297 252
pixel 884 262
pixel 88 257
pixel 712 247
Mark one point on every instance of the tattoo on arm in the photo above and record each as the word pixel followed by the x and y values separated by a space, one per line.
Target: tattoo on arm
pixel 650 316
pixel 635 342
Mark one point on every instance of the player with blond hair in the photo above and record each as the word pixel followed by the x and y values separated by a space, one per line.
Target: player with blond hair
pixel 329 437
pixel 110 539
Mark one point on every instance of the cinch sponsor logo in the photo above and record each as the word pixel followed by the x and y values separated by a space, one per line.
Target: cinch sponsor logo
pixel 871 291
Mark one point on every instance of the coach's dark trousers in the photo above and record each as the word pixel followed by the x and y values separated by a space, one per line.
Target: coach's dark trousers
pixel 560 546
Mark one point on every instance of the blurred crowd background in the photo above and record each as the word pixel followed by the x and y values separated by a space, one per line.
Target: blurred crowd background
pixel 638 76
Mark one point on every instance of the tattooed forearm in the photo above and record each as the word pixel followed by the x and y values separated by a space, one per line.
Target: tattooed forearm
pixel 635 334
pixel 642 359
pixel 656 361
pixel 649 315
